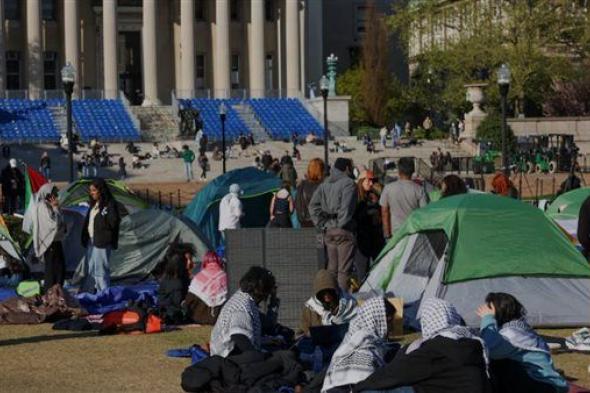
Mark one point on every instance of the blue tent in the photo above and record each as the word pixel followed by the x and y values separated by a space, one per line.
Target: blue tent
pixel 258 187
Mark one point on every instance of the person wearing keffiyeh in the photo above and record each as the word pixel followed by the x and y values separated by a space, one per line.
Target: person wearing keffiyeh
pixel 362 351
pixel 447 358
pixel 521 360
pixel 238 328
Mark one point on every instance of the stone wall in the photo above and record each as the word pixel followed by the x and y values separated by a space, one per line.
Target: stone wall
pixel 577 126
pixel 338 113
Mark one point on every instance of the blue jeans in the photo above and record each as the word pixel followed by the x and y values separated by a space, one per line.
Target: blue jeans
pixel 98 270
pixel 403 389
pixel 188 170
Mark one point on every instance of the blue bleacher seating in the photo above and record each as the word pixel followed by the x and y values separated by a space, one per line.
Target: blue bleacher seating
pixel 104 120
pixel 282 117
pixel 26 121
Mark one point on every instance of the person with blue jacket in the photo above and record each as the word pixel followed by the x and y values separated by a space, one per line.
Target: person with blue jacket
pixel 521 360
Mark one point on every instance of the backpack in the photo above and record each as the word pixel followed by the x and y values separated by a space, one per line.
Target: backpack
pixel 135 318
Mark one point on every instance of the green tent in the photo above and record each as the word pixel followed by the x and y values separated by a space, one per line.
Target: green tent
pixel 464 246
pixel 77 193
pixel 567 205
pixel 257 187
pixel 7 243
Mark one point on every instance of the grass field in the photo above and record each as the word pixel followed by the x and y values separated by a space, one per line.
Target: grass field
pixel 38 359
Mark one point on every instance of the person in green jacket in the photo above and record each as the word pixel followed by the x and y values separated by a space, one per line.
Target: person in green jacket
pixel 188 156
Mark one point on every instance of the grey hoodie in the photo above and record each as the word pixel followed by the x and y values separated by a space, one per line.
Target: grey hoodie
pixel 334 202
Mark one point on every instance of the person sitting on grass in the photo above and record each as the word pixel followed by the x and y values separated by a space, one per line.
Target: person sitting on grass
pixel 328 306
pixel 172 290
pixel 363 349
pixel 239 328
pixel 521 360
pixel 448 358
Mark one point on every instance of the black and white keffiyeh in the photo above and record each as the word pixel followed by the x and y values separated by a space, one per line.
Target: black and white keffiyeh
pixel 440 318
pixel 240 315
pixel 347 307
pixel 362 349
pixel 521 335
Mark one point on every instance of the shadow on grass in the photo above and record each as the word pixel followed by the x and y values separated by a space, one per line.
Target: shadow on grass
pixel 46 338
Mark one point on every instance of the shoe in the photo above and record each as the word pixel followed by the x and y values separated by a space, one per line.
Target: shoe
pixel 579 340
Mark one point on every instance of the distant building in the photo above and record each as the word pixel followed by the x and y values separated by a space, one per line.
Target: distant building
pixel 149 48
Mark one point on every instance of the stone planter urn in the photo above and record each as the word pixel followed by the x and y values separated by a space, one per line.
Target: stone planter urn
pixel 473 119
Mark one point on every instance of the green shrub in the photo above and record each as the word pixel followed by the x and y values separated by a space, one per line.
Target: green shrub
pixel 437 133
pixel 490 130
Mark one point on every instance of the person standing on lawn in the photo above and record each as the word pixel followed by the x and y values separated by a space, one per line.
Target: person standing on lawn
pixel 188 156
pixel 100 235
pixel 204 165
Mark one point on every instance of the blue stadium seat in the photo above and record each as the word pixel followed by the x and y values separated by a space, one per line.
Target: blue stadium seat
pixel 105 120
pixel 281 117
pixel 26 121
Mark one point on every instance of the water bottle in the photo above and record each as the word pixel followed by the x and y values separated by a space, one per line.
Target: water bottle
pixel 318 360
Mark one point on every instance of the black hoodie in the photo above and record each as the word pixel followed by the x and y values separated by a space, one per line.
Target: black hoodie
pixel 440 365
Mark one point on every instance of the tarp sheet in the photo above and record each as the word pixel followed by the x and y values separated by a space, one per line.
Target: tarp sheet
pixel 257 187
pixel 117 298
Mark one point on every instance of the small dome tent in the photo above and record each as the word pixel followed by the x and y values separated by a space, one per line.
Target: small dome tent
pixel 462 247
pixel 258 188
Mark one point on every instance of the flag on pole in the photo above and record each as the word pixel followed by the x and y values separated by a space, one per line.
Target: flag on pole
pixel 33 182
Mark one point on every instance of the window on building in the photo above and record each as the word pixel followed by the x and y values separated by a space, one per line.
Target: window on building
pixel 12 9
pixel 268 72
pixel 12 70
pixel 234 10
pixel 269 10
pixel 50 70
pixel 49 9
pixel 361 14
pixel 200 71
pixel 201 10
pixel 235 71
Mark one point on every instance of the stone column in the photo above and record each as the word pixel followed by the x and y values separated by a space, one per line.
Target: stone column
pixel 302 48
pixel 72 38
pixel 187 47
pixel 2 51
pixel 256 44
pixel 34 50
pixel 221 81
pixel 292 46
pixel 109 43
pixel 150 55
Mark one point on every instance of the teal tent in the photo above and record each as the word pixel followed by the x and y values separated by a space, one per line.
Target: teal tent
pixel 257 187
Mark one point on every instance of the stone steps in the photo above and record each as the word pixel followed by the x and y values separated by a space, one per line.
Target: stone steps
pixel 157 123
pixel 247 115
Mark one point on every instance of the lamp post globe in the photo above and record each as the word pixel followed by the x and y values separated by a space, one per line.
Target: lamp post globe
pixel 325 88
pixel 503 75
pixel 68 77
pixel 222 117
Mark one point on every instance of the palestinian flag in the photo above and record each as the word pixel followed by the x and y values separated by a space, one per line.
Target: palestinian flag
pixel 34 180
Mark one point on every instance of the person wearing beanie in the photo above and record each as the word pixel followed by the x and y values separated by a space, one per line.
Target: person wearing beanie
pixel 13 187
pixel 332 210
pixel 230 210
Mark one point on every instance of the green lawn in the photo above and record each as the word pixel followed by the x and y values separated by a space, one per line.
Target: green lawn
pixel 38 359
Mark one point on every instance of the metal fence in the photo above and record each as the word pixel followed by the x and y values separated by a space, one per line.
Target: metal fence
pixel 292 255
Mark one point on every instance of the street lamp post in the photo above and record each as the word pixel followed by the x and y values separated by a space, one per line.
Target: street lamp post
pixel 222 117
pixel 325 88
pixel 504 85
pixel 68 76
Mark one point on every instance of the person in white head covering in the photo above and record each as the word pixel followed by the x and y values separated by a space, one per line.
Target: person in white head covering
pixel 363 349
pixel 230 210
pixel 48 230
pixel 448 358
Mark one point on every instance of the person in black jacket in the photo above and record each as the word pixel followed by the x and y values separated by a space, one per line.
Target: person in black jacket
pixel 448 358
pixel 100 235
pixel 13 186
pixel 172 290
pixel 584 227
